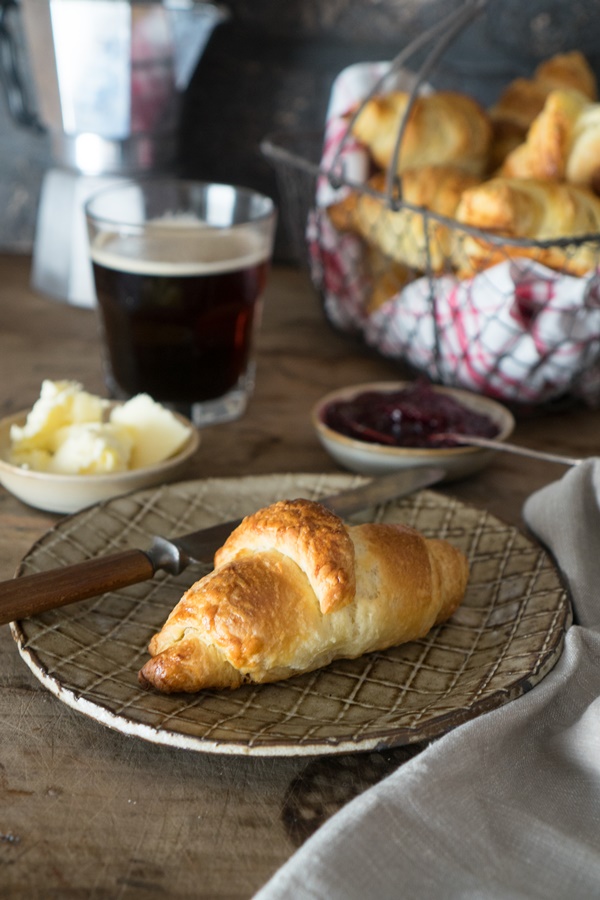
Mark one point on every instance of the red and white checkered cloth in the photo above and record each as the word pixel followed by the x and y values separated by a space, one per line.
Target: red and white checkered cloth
pixel 519 331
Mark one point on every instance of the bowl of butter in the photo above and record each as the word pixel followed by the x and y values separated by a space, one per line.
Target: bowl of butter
pixel 73 449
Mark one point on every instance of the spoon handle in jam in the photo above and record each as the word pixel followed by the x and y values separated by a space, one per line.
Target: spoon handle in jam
pixel 491 444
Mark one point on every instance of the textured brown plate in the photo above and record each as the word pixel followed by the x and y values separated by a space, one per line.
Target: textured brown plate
pixel 504 639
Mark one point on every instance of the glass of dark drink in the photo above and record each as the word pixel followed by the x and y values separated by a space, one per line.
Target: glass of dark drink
pixel 180 269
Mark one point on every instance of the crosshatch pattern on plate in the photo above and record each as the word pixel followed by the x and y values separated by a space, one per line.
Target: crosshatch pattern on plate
pixel 503 639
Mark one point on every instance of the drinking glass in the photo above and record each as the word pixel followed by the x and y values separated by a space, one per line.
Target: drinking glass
pixel 180 269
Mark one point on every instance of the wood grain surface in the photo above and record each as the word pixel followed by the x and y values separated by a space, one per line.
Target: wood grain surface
pixel 88 812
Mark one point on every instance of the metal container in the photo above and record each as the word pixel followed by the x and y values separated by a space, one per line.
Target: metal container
pixel 109 75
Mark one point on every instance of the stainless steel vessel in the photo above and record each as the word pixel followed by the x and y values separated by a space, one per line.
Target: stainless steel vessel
pixel 108 77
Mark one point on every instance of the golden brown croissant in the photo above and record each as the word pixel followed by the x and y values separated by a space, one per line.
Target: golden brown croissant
pixel 524 98
pixel 444 128
pixel 533 210
pixel 403 235
pixel 563 143
pixel 567 70
pixel 293 589
pixel 386 276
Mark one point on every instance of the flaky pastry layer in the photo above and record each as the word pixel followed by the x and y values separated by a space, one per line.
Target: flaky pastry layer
pixel 257 618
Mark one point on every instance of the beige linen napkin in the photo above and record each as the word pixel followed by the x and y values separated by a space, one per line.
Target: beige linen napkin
pixel 507 805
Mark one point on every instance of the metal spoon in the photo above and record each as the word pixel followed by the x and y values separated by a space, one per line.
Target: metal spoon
pixel 472 441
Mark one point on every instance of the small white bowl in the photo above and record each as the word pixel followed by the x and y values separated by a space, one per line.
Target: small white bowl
pixel 380 459
pixel 70 493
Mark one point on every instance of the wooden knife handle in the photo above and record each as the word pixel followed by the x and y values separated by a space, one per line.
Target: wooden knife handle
pixel 33 594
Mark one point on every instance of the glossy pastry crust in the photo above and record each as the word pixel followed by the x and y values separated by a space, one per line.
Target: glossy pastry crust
pixel 310 535
pixel 563 143
pixel 256 617
pixel 533 210
pixel 443 128
pixel 524 98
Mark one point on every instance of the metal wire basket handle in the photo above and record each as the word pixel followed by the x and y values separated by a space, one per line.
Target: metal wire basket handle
pixel 444 33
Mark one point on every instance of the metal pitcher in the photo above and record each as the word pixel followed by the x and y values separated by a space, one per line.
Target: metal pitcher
pixel 108 77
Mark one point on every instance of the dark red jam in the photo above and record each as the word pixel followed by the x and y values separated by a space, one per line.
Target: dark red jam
pixel 406 418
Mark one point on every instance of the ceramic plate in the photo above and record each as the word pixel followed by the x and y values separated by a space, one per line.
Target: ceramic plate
pixel 504 638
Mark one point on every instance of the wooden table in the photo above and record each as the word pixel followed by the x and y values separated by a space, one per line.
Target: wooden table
pixel 88 812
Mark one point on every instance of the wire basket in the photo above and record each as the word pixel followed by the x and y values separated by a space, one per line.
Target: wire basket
pixel 512 318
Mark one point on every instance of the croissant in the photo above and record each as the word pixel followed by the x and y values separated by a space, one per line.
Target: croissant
pixel 387 278
pixel 563 143
pixel 533 210
pixel 524 98
pixel 293 589
pixel 444 128
pixel 567 70
pixel 406 236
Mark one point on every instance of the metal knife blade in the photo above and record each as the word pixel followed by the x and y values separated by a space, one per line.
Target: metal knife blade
pixel 174 554
pixel 31 594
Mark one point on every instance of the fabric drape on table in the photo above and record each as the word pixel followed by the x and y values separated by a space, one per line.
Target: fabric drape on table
pixel 507 805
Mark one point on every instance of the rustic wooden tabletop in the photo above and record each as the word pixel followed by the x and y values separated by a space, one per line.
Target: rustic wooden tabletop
pixel 89 812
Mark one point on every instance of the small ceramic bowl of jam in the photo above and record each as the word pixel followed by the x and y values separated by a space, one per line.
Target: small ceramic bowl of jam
pixel 381 427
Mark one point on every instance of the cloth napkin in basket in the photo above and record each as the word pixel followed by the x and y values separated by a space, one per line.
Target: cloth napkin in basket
pixel 507 805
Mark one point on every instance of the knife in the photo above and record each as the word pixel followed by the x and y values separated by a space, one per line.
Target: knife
pixel 31 594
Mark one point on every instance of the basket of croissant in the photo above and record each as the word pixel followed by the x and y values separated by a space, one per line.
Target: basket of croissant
pixel 463 240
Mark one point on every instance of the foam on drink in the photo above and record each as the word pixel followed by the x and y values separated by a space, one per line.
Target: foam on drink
pixel 197 250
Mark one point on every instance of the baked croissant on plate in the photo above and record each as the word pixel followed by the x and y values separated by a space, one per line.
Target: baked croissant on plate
pixel 444 128
pixel 404 235
pixel 532 210
pixel 293 589
pixel 563 143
